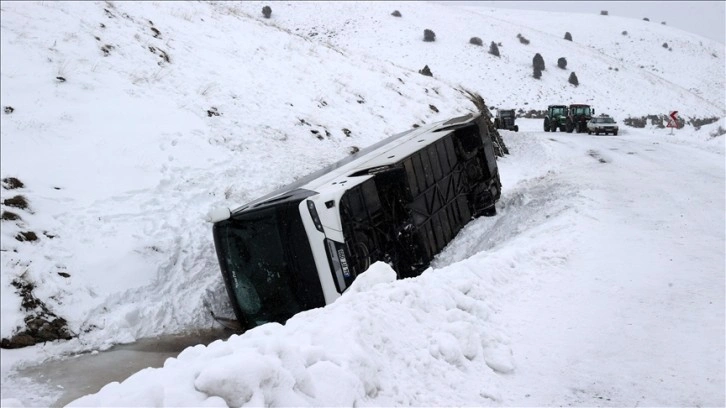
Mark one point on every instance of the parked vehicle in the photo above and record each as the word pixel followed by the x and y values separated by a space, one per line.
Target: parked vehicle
pixel 505 120
pixel 556 117
pixel 602 124
pixel 400 201
pixel 577 117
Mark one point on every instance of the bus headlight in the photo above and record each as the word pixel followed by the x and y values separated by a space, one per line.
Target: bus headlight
pixel 314 216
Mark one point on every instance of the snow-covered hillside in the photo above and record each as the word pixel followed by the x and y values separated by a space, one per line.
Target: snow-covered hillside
pixel 128 121
pixel 620 74
pixel 122 160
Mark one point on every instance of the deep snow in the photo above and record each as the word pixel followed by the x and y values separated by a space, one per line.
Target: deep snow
pixel 600 281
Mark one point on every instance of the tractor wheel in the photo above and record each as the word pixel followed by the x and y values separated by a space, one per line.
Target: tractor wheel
pixel 553 127
pixel 615 133
pixel 589 132
pixel 516 128
pixel 546 125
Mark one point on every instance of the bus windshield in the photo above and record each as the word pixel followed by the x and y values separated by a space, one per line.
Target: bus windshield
pixel 267 262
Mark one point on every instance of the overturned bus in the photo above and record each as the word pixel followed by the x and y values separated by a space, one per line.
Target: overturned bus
pixel 400 201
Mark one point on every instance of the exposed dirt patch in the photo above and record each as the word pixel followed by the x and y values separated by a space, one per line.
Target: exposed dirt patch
pixel 41 324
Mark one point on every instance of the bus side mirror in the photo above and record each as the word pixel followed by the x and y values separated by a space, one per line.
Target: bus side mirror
pixel 218 214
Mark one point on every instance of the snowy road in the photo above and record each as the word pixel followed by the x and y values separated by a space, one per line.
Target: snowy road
pixel 640 305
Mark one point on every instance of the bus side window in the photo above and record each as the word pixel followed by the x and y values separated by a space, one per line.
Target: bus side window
pixel 468 141
pixel 370 195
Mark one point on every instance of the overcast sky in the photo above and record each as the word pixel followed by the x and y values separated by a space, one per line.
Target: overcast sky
pixel 705 18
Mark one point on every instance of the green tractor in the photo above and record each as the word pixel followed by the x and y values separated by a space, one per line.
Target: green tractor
pixel 579 115
pixel 556 118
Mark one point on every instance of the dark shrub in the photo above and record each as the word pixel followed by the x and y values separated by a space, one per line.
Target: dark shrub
pixel 718 132
pixel 434 108
pixel 11 183
pixel 573 79
pixel 266 11
pixel 493 49
pixel 568 36
pixel 9 216
pixel 624 33
pixel 26 236
pixel 659 121
pixel 426 71
pixel 538 62
pixel 663 22
pixel 429 35
pixel 522 39
pixel 665 45
pixel 9 109
pixel 396 13
pixel 18 202
pixel 646 19
pixel 697 123
pixel 562 62
pixel 106 49
pixel 475 41
pixel 537 72
pixel 635 122
pixel 603 12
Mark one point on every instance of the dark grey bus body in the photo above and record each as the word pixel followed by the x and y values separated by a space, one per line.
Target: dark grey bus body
pixel 400 201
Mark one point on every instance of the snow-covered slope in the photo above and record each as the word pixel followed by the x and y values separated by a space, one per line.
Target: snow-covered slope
pixel 122 160
pixel 130 120
pixel 620 74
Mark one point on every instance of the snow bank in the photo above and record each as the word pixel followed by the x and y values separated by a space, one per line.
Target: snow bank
pixel 385 343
